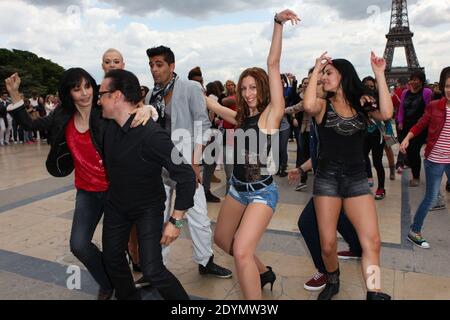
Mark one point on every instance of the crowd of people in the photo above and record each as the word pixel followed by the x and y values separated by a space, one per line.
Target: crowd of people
pixel 123 141
pixel 36 106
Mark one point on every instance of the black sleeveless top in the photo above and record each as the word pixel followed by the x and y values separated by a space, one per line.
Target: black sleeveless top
pixel 253 149
pixel 342 139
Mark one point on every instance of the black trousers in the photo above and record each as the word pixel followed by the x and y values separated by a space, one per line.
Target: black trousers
pixel 307 224
pixel 400 157
pixel 116 232
pixel 284 141
pixel 305 152
pixel 413 153
pixel 373 144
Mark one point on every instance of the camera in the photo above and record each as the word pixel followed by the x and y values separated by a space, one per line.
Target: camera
pixel 370 106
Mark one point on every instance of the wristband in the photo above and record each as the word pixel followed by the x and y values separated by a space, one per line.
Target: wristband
pixel 276 20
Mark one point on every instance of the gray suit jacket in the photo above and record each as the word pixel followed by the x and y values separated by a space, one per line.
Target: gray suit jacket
pixel 190 123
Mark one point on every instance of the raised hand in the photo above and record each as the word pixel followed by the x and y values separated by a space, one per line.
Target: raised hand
pixel 287 15
pixel 13 83
pixel 378 64
pixel 322 61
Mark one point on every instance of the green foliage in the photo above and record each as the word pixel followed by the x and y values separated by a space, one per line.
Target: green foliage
pixel 37 74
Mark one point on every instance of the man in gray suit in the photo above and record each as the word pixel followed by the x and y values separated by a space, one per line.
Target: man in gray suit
pixel 182 111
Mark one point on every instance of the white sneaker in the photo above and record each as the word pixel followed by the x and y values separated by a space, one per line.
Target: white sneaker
pixel 301 186
pixel 418 240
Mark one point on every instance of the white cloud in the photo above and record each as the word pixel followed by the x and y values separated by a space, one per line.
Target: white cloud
pixel 189 8
pixel 431 13
pixel 357 9
pixel 222 51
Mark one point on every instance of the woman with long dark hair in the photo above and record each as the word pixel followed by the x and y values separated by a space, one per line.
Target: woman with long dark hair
pixel 437 154
pixel 375 143
pixel 76 130
pixel 253 195
pixel 341 178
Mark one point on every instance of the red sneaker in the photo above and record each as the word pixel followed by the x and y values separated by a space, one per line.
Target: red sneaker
pixel 317 282
pixel 347 255
pixel 380 194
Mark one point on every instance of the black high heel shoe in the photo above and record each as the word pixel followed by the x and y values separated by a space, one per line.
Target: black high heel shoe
pixel 136 266
pixel 332 286
pixel 377 296
pixel 268 277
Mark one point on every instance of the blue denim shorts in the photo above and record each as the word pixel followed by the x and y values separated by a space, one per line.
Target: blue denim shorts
pixel 341 180
pixel 267 195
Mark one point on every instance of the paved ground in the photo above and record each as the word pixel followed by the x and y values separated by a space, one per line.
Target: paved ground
pixel 35 262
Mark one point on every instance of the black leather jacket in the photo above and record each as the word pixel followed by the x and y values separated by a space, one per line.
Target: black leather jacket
pixel 59 161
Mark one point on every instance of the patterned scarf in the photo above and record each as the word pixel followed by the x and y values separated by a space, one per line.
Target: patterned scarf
pixel 157 98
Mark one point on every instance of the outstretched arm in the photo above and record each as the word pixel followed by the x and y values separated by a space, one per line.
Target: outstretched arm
pixel 275 110
pixel 225 113
pixel 17 109
pixel 295 108
pixel 143 114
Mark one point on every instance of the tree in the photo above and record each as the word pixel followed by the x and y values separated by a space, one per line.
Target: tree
pixel 37 74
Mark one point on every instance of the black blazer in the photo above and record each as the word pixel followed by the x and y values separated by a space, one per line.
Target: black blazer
pixel 59 161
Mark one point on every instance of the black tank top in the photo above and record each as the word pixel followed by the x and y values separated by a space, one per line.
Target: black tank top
pixel 342 139
pixel 253 149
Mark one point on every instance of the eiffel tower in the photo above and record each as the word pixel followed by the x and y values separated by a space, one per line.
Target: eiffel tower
pixel 400 35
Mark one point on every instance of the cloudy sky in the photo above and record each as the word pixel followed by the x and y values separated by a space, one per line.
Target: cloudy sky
pixel 222 37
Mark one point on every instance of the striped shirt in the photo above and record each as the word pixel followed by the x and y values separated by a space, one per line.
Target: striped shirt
pixel 441 150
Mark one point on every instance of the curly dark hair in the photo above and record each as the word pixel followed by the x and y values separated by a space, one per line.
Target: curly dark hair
pixel 166 52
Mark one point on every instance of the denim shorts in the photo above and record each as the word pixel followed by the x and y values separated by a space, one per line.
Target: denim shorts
pixel 341 180
pixel 267 195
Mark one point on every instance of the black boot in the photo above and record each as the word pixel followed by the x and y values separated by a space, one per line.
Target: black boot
pixel 136 266
pixel 210 197
pixel 268 277
pixel 283 173
pixel 332 286
pixel 377 296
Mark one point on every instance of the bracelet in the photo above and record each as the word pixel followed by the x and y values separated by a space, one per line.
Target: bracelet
pixel 276 20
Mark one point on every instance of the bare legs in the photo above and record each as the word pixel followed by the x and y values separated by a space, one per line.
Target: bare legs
pixel 238 232
pixel 361 212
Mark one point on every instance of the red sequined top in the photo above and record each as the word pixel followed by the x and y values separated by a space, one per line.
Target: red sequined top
pixel 90 173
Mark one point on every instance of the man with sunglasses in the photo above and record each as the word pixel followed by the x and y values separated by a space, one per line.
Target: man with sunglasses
pixel 134 158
